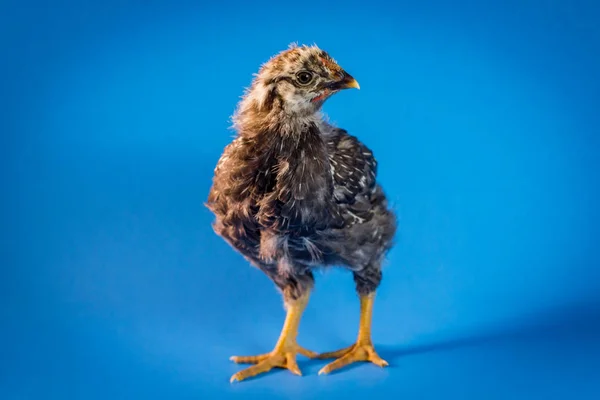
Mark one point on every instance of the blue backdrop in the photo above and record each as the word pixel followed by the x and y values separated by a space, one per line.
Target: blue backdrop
pixel 483 116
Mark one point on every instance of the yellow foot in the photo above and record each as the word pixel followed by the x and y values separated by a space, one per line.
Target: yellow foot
pixel 356 352
pixel 279 358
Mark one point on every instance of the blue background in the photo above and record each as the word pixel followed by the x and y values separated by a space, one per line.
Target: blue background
pixel 483 116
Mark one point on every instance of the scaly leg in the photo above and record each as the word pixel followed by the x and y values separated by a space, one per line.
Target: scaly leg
pixel 286 348
pixel 363 349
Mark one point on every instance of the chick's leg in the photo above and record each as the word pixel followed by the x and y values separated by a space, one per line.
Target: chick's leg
pixel 286 348
pixel 363 349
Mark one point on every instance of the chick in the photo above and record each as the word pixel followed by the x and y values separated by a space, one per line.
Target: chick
pixel 292 193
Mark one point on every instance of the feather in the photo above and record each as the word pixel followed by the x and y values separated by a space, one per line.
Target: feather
pixel 292 191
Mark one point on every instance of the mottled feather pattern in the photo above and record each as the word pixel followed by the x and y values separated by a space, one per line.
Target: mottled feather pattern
pixel 353 166
pixel 292 192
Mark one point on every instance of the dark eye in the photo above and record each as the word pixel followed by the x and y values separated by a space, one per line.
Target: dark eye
pixel 304 77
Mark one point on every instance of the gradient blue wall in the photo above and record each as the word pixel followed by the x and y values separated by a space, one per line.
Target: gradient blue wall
pixel 484 118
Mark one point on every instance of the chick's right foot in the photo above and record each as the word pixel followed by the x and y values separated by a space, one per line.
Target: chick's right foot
pixel 278 358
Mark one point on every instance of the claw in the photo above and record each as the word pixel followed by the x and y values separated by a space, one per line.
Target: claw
pixel 249 359
pixel 307 353
pixel 286 348
pixel 278 358
pixel 355 353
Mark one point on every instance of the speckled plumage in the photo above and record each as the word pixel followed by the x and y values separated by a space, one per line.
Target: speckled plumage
pixel 292 192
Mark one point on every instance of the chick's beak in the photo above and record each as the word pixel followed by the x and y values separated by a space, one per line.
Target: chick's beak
pixel 343 81
pixel 348 82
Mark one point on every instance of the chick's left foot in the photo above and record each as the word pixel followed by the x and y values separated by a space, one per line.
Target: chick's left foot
pixel 358 352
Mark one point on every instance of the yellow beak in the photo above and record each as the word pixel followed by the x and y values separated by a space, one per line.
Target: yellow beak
pixel 351 83
pixel 348 82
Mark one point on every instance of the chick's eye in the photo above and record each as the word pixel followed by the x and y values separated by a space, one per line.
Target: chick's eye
pixel 304 77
